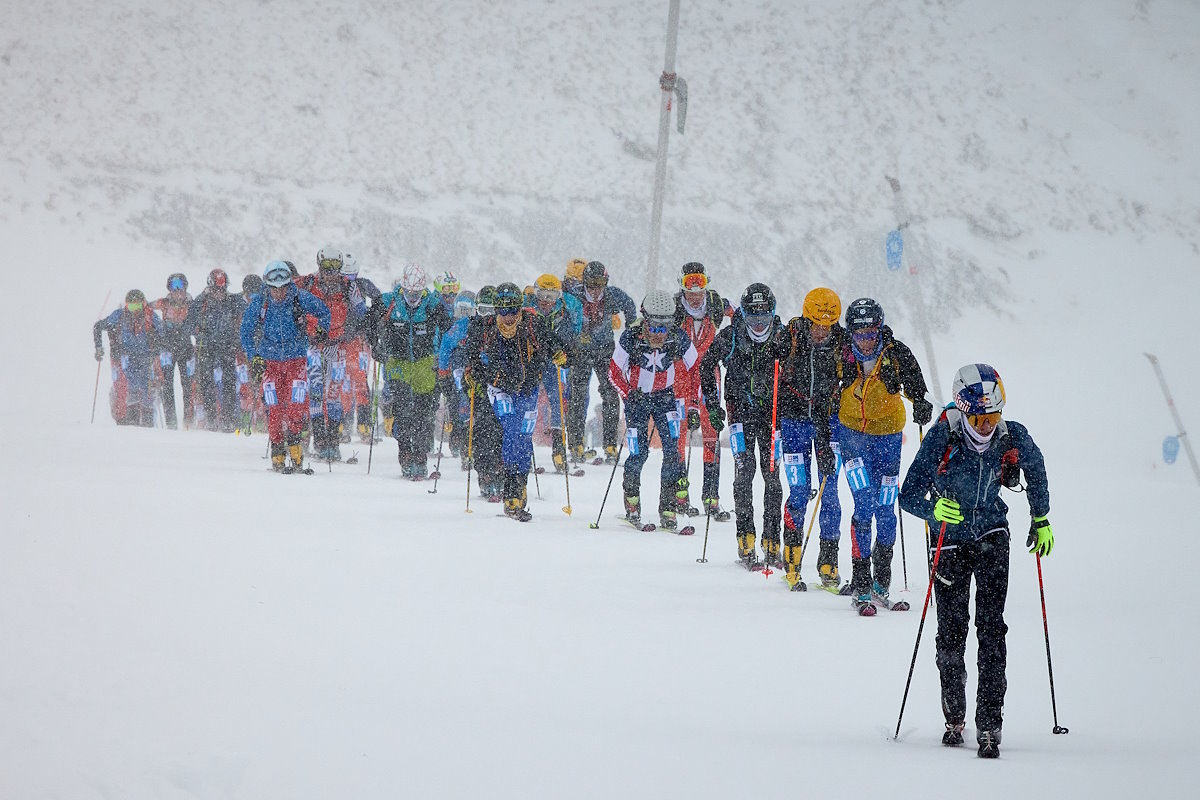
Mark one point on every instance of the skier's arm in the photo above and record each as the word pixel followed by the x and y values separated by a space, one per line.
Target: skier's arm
pixel 1037 489
pixel 249 325
pixel 919 481
pixel 618 367
pixel 709 365
pixel 313 306
pixel 106 324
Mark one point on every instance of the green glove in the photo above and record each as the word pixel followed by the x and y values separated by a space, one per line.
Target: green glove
pixel 1041 537
pixel 716 418
pixel 947 510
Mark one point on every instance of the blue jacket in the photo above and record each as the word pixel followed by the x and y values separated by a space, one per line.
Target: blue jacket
pixel 448 355
pixel 138 336
pixel 411 334
pixel 282 326
pixel 972 479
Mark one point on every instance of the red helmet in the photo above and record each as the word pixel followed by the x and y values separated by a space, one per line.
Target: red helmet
pixel 217 279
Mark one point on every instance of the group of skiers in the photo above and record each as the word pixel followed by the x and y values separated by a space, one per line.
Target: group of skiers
pixel 820 390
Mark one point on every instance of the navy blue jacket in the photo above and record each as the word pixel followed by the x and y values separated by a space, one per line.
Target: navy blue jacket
pixel 972 479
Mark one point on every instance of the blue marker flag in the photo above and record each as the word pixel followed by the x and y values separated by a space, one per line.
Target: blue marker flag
pixel 895 250
pixel 1170 449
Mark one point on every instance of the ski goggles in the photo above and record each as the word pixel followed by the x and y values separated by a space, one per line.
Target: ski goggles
pixel 759 321
pixel 548 296
pixel 175 284
pixel 134 307
pixel 485 309
pixel 507 312
pixel 659 325
pixel 694 281
pixel 991 418
pixel 333 264
pixel 865 335
pixel 449 288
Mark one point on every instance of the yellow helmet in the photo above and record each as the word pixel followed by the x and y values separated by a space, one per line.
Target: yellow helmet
pixel 575 269
pixel 548 281
pixel 822 306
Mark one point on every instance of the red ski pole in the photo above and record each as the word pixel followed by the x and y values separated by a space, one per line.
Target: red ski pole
pixel 928 593
pixel 1046 628
pixel 774 414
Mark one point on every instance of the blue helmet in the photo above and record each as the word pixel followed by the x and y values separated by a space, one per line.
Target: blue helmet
pixel 977 389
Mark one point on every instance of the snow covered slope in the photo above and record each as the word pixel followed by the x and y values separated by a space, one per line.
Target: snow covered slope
pixel 178 622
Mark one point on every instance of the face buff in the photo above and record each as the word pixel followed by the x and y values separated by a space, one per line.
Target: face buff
pixel 697 311
pixel 507 324
pixel 976 440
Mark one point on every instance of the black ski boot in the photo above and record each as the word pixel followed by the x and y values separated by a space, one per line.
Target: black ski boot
pixel 989 743
pixel 953 736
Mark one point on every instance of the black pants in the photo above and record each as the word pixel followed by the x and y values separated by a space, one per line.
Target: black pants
pixel 987 560
pixel 586 363
pixel 486 440
pixel 412 426
pixel 219 398
pixel 756 430
pixel 181 352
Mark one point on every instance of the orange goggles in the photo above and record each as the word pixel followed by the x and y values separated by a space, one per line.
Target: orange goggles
pixel 992 418
pixel 694 281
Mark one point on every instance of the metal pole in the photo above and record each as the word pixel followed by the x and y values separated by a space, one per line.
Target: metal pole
pixel 1187 445
pixel 917 298
pixel 667 83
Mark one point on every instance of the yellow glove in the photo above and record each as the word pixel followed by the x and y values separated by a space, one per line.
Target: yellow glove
pixel 559 358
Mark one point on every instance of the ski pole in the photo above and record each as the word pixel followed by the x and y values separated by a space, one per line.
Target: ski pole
pixel 928 593
pixel 1182 436
pixel 533 460
pixel 96 391
pixel 470 442
pixel 596 524
pixel 437 468
pixel 1049 666
pixel 704 552
pixel 562 418
pixel 374 414
pixel 813 519
pixel 774 415
pixel 903 558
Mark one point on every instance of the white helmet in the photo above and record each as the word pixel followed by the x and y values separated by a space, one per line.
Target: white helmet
pixel 330 257
pixel 414 279
pixel 658 303
pixel 277 274
pixel 349 264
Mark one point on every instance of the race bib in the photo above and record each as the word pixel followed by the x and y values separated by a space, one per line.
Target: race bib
pixel 856 475
pixel 243 374
pixel 166 359
pixel 737 439
pixel 364 361
pixel 299 391
pixel 631 441
pixel 673 420
pixel 502 403
pixel 837 457
pixel 889 490
pixel 269 397
pixel 339 371
pixel 793 468
pixel 124 362
pixel 191 366
pixel 529 422
pixel 458 376
pixel 218 373
pixel 313 358
pixel 777 446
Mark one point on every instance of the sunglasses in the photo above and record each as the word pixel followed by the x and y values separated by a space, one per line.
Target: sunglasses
pixel 330 264
pixel 450 288
pixel 694 281
pixel 174 285
pixel 865 335
pixel 977 420
pixel 507 312
pixel 135 307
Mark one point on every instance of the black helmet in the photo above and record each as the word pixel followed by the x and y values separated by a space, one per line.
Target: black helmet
pixel 758 299
pixel 135 296
pixel 595 275
pixel 252 284
pixel 863 313
pixel 177 277
pixel 692 268
pixel 509 295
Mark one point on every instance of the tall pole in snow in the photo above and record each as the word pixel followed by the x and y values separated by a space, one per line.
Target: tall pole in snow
pixel 671 84
pixel 917 297
pixel 1187 445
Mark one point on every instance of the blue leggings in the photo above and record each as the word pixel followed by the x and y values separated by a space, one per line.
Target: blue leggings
pixel 872 464
pixel 798 445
